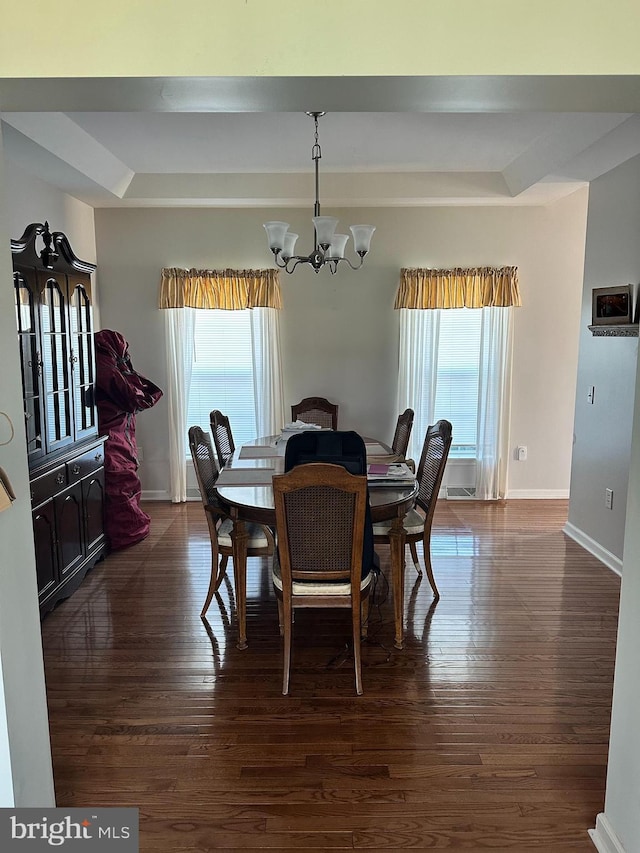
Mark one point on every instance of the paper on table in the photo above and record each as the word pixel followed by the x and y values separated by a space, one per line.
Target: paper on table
pixel 396 475
pixel 245 477
pixel 254 451
pixel 377 469
pixel 299 426
pixel 376 449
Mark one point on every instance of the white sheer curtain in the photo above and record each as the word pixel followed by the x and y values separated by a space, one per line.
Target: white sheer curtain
pixel 494 402
pixel 419 334
pixel 179 327
pixel 267 370
pixel 417 385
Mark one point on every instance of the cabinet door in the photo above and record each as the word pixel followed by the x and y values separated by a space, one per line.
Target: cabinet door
pixel 93 498
pixel 82 356
pixel 26 302
pixel 44 534
pixel 55 360
pixel 69 527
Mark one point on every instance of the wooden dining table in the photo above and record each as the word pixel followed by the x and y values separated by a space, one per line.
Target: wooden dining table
pixel 250 499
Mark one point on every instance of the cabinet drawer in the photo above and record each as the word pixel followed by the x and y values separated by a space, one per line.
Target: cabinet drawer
pixel 85 464
pixel 42 488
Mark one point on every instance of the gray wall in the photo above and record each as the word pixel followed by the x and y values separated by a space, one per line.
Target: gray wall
pixel 607 455
pixel 603 429
pixel 27 780
pixel 340 333
pixel 621 818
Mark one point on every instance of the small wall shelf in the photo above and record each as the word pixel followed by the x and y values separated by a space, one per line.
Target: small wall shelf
pixel 621 331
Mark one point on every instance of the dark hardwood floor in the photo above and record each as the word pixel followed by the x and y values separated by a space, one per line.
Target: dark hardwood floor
pixel 488 732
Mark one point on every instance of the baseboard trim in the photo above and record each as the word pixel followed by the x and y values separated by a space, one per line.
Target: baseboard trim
pixel 537 494
pixel 155 495
pixel 610 560
pixel 604 838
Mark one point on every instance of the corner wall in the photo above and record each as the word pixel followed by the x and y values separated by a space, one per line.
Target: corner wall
pixel 602 445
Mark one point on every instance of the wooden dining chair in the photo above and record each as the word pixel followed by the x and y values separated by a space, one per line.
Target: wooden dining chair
pixel 417 525
pixel 222 437
pixel 316 410
pixel 401 436
pixel 260 542
pixel 320 518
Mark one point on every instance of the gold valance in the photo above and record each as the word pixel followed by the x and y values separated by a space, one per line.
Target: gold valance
pixel 232 290
pixel 477 287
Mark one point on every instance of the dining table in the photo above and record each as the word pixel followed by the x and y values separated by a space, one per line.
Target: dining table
pixel 244 489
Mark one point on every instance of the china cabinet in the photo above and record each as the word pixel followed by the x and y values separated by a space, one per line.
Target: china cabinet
pixel 65 452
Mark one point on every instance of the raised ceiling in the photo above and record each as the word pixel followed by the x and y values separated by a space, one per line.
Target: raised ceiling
pixel 467 141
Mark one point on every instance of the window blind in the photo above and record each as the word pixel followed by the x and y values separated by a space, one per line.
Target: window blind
pixel 457 379
pixel 222 376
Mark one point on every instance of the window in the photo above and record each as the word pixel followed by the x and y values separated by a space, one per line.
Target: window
pixel 222 375
pixel 454 365
pixel 457 376
pixel 225 357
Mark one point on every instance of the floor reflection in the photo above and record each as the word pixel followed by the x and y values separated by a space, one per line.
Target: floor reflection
pixel 489 729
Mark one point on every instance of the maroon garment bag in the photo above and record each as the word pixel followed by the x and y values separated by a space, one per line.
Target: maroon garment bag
pixel 121 393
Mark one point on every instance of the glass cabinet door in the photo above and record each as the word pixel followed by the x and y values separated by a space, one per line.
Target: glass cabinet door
pixel 26 302
pixel 56 364
pixel 82 357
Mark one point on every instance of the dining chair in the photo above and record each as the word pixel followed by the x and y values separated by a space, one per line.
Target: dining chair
pixel 401 436
pixel 260 542
pixel 222 437
pixel 316 410
pixel 417 525
pixel 320 518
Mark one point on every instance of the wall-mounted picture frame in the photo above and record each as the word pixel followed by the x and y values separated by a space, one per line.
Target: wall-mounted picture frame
pixel 612 306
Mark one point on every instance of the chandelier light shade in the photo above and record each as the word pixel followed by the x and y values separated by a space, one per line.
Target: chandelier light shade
pixel 328 247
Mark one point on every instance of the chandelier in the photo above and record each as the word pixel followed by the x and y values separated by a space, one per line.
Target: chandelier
pixel 328 247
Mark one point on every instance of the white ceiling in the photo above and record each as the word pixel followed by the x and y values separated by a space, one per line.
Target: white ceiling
pixel 183 145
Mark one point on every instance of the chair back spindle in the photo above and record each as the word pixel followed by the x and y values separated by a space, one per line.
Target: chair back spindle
pixel 222 437
pixel 433 460
pixel 400 443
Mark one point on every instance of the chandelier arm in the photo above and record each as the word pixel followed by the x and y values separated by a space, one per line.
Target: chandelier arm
pixel 337 260
pixel 297 260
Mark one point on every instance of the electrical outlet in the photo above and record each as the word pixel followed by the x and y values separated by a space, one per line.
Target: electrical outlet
pixel 522 454
pixel 608 498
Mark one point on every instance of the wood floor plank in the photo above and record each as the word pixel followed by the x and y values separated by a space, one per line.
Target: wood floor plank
pixel 488 731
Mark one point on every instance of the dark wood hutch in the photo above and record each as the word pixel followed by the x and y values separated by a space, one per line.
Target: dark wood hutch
pixel 65 452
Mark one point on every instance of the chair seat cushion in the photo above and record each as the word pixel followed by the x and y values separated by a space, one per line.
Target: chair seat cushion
pixel 413 524
pixel 311 588
pixel 257 537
